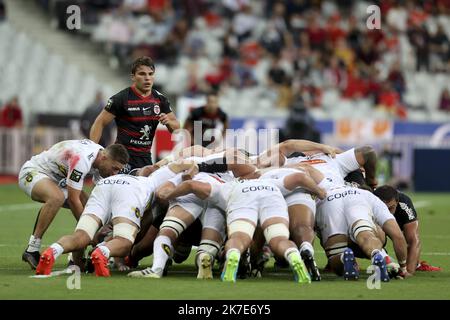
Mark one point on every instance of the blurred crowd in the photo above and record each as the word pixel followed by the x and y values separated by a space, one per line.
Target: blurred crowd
pixel 299 48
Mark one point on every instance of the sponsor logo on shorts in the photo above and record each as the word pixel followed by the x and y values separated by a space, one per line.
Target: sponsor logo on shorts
pixel 29 177
pixel 137 212
pixel 75 175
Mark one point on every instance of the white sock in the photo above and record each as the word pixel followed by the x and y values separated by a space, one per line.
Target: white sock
pixel 34 244
pixel 306 246
pixel 104 250
pixel 160 256
pixel 374 252
pixel 57 249
pixel 289 253
pixel 383 253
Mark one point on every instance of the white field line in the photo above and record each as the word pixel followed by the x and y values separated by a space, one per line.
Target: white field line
pixel 19 206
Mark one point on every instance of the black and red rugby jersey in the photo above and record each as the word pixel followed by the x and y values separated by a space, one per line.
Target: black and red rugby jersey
pixel 137 118
pixel 209 121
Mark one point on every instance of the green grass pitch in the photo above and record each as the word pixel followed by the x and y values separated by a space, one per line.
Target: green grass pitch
pixel 17 216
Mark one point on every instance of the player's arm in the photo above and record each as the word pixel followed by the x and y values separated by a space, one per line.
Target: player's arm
pixel 201 189
pixel 189 126
pixel 74 201
pixel 102 120
pixel 293 145
pixel 303 180
pixel 170 121
pixel 367 158
pixel 392 230
pixel 411 232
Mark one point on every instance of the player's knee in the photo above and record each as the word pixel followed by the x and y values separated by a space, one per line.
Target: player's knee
pixel 362 229
pixel 277 230
pixel 172 225
pixel 125 231
pixel 56 200
pixel 241 226
pixel 88 224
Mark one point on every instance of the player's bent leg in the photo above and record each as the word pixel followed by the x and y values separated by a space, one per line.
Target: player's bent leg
pixel 175 222
pixel 207 251
pixel 124 233
pixel 301 227
pixel 240 234
pixel 341 259
pixel 276 233
pixel 47 192
pixel 78 240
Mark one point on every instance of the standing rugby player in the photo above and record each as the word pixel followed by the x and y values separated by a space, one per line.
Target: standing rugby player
pixel 137 111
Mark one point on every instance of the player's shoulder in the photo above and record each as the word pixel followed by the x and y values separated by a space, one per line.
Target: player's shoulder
pixel 159 95
pixel 122 94
pixel 403 197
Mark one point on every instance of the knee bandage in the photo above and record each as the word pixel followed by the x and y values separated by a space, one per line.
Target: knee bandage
pixel 174 224
pixel 241 226
pixel 360 226
pixel 276 230
pixel 125 230
pixel 88 224
pixel 335 249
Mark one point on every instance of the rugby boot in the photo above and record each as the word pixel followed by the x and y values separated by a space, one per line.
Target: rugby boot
pixel 301 274
pixel 146 273
pixel 229 272
pixel 351 271
pixel 46 262
pixel 244 268
pixel 205 264
pixel 100 263
pixel 424 266
pixel 32 258
pixel 378 261
pixel 311 265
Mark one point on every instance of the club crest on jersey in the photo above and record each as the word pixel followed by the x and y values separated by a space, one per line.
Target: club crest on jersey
pixel 156 109
pixel 109 104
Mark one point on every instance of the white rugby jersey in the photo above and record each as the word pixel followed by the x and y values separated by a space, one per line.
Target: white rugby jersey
pixel 332 168
pixel 71 159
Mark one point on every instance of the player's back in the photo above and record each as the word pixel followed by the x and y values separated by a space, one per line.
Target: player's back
pixel 65 155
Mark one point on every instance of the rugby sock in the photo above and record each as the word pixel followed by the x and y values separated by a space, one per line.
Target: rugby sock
pixel 34 244
pixel 104 250
pixel 289 253
pixel 306 246
pixel 384 253
pixel 374 252
pixel 57 250
pixel 162 248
